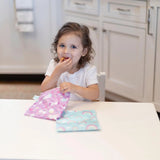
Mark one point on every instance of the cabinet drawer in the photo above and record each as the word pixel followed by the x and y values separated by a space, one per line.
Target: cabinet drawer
pixel 125 10
pixel 83 6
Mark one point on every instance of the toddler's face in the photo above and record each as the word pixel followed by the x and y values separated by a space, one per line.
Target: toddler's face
pixel 70 46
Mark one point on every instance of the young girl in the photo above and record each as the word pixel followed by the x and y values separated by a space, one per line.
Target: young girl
pixel 70 69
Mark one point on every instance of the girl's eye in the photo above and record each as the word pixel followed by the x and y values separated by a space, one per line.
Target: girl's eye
pixel 61 45
pixel 73 47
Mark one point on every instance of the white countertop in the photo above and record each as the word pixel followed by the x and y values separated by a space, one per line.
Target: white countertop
pixel 129 131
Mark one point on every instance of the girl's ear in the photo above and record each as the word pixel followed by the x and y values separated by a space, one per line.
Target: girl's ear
pixel 85 50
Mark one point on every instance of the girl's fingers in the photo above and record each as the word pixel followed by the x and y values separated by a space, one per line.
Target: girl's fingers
pixel 64 87
pixel 64 90
pixel 68 62
pixel 65 65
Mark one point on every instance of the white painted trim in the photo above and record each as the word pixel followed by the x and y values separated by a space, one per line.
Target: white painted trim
pixel 19 69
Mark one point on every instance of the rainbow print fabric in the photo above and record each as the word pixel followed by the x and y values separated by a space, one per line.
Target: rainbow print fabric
pixel 71 121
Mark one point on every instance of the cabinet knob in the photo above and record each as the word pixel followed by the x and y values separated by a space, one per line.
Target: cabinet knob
pixel 104 30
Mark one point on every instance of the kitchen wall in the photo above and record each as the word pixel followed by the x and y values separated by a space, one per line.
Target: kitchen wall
pixel 23 53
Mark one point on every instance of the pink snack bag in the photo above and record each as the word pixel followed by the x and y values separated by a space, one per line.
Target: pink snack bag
pixel 50 105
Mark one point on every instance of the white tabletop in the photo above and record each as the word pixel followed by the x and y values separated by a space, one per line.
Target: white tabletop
pixel 129 131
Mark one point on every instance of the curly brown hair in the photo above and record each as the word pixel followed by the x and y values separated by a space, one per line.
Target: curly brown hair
pixel 83 32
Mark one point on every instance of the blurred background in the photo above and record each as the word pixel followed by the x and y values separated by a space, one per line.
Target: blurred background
pixel 27 29
pixel 125 36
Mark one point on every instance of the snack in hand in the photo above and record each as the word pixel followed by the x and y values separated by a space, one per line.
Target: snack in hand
pixel 64 58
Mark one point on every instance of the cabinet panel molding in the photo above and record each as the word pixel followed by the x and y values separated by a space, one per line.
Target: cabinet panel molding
pixel 124 55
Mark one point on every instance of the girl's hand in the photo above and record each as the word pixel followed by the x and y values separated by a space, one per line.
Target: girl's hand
pixel 64 66
pixel 91 92
pixel 67 87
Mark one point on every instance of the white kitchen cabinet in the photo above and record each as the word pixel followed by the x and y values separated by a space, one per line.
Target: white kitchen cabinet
pixel 124 59
pixel 94 34
pixel 157 60
pixel 127 63
pixel 122 45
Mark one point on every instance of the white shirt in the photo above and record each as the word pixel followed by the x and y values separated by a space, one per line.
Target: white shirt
pixel 83 77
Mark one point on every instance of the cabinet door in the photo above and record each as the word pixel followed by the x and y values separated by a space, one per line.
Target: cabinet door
pixel 124 60
pixel 157 66
pixel 94 35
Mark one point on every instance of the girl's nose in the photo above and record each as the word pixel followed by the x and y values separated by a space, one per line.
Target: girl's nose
pixel 66 50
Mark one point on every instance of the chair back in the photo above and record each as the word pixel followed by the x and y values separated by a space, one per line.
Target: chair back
pixel 101 83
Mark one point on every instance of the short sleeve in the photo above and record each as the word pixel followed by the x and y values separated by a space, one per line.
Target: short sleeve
pixel 91 77
pixel 50 68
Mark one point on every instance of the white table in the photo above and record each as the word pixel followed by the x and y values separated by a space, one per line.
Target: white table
pixel 129 131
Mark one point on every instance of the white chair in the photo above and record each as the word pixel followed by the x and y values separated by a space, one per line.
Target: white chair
pixel 101 82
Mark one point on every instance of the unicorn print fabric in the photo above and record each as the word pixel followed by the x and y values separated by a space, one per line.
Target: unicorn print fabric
pixel 70 121
pixel 50 105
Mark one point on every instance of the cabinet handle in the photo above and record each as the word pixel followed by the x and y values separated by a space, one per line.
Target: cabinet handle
pixel 91 27
pixel 94 28
pixel 123 10
pixel 79 4
pixel 149 21
pixel 104 30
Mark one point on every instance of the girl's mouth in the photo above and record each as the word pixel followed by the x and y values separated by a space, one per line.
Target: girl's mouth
pixel 64 58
